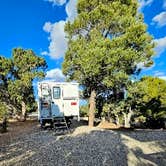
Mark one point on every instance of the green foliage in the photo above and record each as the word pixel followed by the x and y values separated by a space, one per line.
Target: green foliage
pixel 3 110
pixel 148 89
pixel 27 67
pixel 84 110
pixel 16 76
pixel 148 97
pixel 111 110
pixel 106 42
pixel 3 117
pixel 154 88
pixel 108 38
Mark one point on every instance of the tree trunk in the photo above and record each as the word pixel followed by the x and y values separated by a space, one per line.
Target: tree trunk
pixel 117 119
pixel 127 118
pixel 4 125
pixel 23 111
pixel 92 106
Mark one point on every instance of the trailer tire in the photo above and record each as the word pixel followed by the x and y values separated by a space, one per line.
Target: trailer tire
pixel 68 121
pixel 42 124
pixel 51 124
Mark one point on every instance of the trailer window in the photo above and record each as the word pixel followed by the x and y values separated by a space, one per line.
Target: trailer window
pixel 56 92
pixel 45 92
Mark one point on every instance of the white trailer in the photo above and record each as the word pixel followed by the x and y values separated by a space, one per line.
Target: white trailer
pixel 57 100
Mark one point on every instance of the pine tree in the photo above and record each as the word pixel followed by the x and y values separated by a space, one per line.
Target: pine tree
pixel 106 42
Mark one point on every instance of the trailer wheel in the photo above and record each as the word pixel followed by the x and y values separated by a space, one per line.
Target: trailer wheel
pixel 42 124
pixel 51 124
pixel 68 121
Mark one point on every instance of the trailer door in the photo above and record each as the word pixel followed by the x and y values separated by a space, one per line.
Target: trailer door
pixel 56 104
pixel 71 107
pixel 44 101
pixel 71 99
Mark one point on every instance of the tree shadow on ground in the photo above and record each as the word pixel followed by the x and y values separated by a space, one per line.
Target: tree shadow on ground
pixel 158 158
pixel 147 147
pixel 85 147
pixel 93 148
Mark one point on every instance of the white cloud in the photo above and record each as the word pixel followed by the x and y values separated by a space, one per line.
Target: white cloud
pixel 164 3
pixel 160 19
pixel 141 65
pixel 71 10
pixel 44 53
pixel 144 3
pixel 58 42
pixel 158 73
pixel 161 45
pixel 163 77
pixel 57 2
pixel 55 74
pixel 47 27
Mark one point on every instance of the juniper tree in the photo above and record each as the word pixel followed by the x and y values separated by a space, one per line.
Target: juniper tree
pixel 148 97
pixel 16 76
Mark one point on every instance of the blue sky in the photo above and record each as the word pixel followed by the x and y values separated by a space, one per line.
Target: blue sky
pixel 38 25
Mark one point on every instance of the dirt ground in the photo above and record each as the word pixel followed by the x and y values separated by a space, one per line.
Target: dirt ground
pixel 15 129
pixel 26 144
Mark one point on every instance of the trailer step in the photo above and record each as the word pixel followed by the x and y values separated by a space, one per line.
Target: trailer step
pixel 61 127
pixel 60 123
pixel 56 123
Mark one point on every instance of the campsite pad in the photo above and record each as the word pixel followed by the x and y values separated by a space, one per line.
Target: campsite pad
pixel 27 144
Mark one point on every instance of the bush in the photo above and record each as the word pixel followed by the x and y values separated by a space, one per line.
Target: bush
pixel 3 110
pixel 3 117
pixel 155 123
pixel 155 118
pixel 84 110
pixel 138 121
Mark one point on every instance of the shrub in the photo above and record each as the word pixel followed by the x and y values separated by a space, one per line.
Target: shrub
pixel 3 117
pixel 84 110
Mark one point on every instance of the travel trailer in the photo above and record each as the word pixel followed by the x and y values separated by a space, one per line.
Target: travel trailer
pixel 57 100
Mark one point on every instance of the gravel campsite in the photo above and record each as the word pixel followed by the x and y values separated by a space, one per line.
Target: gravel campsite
pixel 83 83
pixel 28 144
